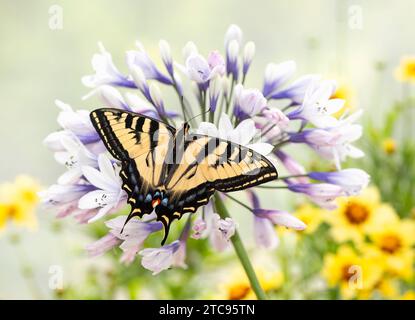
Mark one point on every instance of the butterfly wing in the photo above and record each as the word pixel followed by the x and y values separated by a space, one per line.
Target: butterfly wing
pixel 140 143
pixel 210 164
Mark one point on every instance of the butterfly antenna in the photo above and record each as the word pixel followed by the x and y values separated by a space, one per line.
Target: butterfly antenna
pixel 207 111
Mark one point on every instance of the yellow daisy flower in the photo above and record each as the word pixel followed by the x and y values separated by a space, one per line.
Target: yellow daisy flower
pixel 237 287
pixel 408 295
pixel 394 240
pixel 356 215
pixel 405 72
pixel 352 273
pixel 385 288
pixel 18 201
pixel 311 216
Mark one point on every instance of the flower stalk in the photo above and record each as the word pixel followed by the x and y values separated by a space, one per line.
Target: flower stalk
pixel 241 252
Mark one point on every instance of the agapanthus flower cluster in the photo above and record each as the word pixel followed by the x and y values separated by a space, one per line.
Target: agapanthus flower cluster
pixel 213 85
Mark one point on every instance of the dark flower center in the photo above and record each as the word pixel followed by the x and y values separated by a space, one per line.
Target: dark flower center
pixel 346 272
pixel 238 292
pixel 356 213
pixel 390 244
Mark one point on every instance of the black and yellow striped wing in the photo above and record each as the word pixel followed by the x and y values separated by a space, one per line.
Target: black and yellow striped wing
pixel 209 164
pixel 171 171
pixel 140 143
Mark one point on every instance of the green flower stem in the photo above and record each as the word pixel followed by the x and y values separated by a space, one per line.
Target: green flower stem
pixel 241 252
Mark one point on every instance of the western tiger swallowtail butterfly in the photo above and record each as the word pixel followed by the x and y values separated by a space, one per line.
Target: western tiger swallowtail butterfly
pixel 174 171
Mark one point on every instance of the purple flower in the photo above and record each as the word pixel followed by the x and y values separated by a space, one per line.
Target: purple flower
pixel 139 58
pixel 74 156
pixel 233 41
pixel 105 72
pixel 292 166
pixel 138 105
pixel 157 99
pixel 201 70
pixel 215 87
pixel 110 96
pixel 323 194
pixel 165 53
pixel 102 245
pixel 108 195
pixel 264 221
pixel 317 107
pixel 296 90
pixel 74 124
pixel 159 259
pixel 64 198
pixel 264 233
pixel 218 230
pixel 333 143
pixel 277 117
pixel 351 180
pixel 130 240
pixel 276 75
pixel 248 102
pixel 248 56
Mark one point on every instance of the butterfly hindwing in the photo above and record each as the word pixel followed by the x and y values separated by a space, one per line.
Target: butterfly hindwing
pixel 209 164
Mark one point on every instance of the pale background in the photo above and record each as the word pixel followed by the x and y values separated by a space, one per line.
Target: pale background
pixel 39 65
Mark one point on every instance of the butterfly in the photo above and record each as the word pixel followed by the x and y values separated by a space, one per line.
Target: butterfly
pixel 171 171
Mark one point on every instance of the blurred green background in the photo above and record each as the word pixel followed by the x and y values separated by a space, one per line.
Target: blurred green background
pixel 39 65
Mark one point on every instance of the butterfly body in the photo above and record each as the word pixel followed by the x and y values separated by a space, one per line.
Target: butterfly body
pixel 173 171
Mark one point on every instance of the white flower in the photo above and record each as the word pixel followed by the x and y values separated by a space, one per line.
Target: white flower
pixel 159 259
pixel 323 194
pixel 234 33
pixel 276 75
pixel 248 102
pixel 105 70
pixel 264 233
pixel 139 58
pixel 74 156
pixel 221 232
pixel 280 218
pixel 77 122
pixel 109 194
pixel 351 180
pixel 102 245
pixel 64 198
pixel 165 53
pixel 292 166
pixel 75 125
pixel 264 221
pixel 156 96
pixel 277 117
pixel 201 70
pixel 189 49
pixel 199 228
pixel 110 96
pixel 218 230
pixel 334 143
pixel 133 236
pixel 317 106
pixel 296 90
pixel 248 56
pixel 242 134
pixel 215 87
